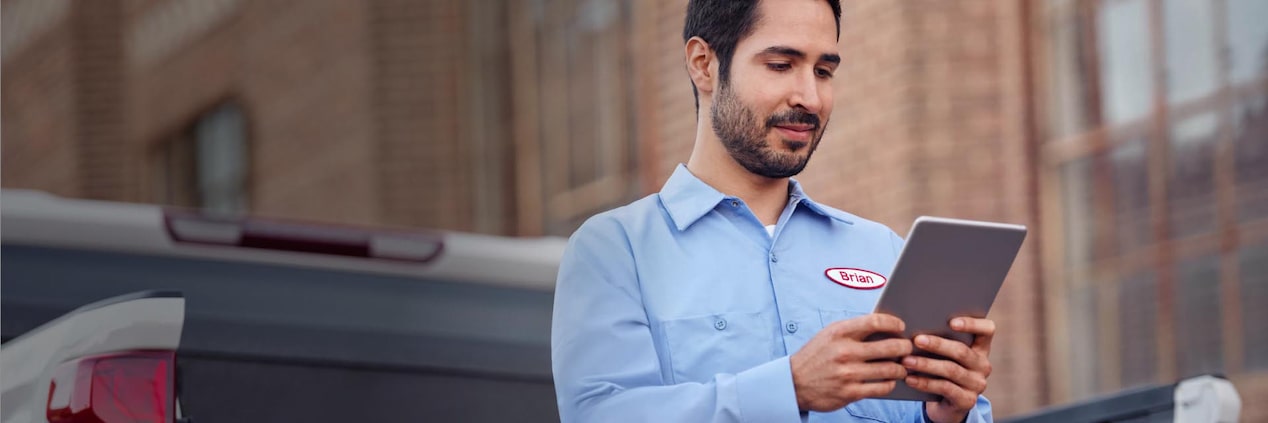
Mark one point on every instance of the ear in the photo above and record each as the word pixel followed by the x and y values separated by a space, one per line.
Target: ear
pixel 701 64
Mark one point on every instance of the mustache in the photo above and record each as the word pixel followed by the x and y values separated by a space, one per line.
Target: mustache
pixel 793 116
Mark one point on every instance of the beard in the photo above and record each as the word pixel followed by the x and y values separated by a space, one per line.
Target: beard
pixel 744 136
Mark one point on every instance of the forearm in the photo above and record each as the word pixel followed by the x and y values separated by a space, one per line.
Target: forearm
pixel 760 394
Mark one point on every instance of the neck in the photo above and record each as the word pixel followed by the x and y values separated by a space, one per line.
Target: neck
pixel 711 163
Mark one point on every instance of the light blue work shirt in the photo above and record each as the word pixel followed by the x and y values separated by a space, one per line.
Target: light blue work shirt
pixel 680 307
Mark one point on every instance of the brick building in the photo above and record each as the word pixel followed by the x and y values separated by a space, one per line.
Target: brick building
pixel 325 110
pixel 1130 135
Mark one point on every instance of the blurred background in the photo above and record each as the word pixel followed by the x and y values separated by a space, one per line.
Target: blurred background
pixel 1131 136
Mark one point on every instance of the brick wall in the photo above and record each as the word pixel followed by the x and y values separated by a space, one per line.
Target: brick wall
pixel 416 97
pixel 39 129
pixel 106 169
pixel 301 75
pixel 357 112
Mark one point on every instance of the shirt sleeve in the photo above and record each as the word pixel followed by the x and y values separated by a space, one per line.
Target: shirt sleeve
pixel 604 358
pixel 981 412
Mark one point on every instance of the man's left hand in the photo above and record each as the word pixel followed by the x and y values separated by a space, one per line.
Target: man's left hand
pixel 959 380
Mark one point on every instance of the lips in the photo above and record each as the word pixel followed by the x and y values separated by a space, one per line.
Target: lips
pixel 799 132
pixel 800 127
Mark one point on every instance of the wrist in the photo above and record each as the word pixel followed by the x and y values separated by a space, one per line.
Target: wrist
pixel 943 416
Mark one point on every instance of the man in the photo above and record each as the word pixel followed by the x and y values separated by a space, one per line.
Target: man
pixel 686 305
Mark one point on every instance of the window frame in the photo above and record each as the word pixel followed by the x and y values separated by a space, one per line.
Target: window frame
pixel 1095 140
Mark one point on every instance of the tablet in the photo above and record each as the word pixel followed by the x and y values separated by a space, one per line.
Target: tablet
pixel 948 268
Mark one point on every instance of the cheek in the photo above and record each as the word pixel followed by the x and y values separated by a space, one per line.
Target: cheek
pixel 825 95
pixel 761 95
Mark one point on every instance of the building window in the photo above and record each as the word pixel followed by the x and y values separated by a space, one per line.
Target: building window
pixel 1191 180
pixel 1155 140
pixel 578 106
pixel 1125 57
pixel 1197 321
pixel 1250 146
pixel 1253 262
pixel 206 165
pixel 1246 39
pixel 1192 69
pixel 1128 162
pixel 1138 312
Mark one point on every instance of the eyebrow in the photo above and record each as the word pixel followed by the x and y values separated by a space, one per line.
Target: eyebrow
pixel 794 53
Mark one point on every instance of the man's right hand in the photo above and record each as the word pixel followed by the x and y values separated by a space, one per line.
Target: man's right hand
pixel 836 367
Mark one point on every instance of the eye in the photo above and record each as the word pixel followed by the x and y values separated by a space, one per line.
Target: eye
pixel 823 73
pixel 779 67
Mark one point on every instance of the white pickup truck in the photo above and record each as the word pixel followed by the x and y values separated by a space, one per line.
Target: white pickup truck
pixel 115 312
pixel 108 361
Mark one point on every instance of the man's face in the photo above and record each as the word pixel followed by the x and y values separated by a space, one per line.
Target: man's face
pixel 771 113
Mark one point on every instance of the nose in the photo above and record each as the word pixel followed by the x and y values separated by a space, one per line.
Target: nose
pixel 806 94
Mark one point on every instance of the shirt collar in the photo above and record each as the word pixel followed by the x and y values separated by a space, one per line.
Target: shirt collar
pixel 687 199
pixel 796 195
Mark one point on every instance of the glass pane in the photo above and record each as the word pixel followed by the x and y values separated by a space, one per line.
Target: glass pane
pixel 585 110
pixel 1080 214
pixel 1131 195
pixel 1247 39
pixel 1085 359
pixel 1190 45
pixel 222 160
pixel 596 87
pixel 1066 80
pixel 1191 185
pixel 1254 292
pixel 1250 143
pixel 174 172
pixel 1198 337
pixel 1124 51
pixel 1138 312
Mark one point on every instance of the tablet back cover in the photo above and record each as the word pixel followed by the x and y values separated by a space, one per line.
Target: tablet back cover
pixel 947 268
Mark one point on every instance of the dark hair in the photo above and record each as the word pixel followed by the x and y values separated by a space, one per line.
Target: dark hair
pixel 722 23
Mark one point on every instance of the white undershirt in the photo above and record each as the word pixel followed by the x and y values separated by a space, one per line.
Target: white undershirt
pixel 770 229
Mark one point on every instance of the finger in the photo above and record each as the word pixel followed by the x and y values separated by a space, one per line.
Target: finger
pixel 862 326
pixel 950 370
pixel 950 392
pixel 874 372
pixel 857 391
pixel 889 348
pixel 983 331
pixel 954 350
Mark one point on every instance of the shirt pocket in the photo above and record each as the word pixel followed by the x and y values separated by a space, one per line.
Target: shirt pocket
pixel 828 316
pixel 872 410
pixel 704 346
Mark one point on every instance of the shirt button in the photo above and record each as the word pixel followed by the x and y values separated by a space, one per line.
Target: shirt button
pixel 720 324
pixel 735 203
pixel 792 327
pixel 774 259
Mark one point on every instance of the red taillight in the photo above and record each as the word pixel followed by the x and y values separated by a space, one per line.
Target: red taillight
pixel 126 387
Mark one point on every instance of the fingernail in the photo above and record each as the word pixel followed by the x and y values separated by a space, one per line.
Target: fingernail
pixel 957 324
pixel 922 341
pixel 911 381
pixel 909 361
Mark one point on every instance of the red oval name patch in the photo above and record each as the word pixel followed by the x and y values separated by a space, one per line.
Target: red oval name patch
pixel 855 278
